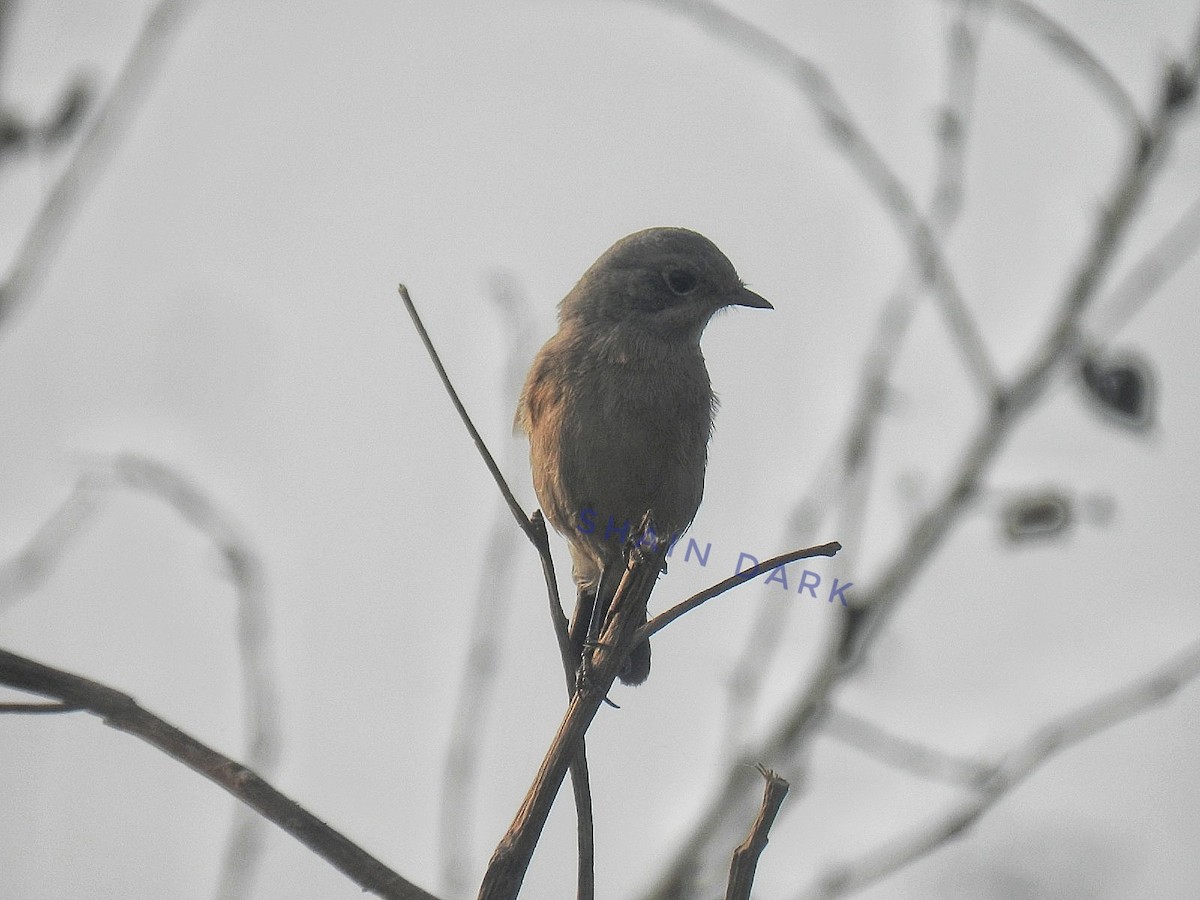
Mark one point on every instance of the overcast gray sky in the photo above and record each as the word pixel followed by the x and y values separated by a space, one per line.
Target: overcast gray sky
pixel 226 302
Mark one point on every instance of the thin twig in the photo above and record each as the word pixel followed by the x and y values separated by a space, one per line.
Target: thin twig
pixel 585 888
pixel 513 504
pixel 746 856
pixel 37 708
pixel 460 775
pixel 798 724
pixel 95 148
pixel 120 711
pixel 1019 763
pixel 1059 344
pixel 815 85
pixel 27 569
pixel 903 753
pixel 1148 274
pixel 260 695
pixel 534 529
pixel 850 462
pixel 663 619
pixel 33 564
pixel 1073 51
pixel 724 812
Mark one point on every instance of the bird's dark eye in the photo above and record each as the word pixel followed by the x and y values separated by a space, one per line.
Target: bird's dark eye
pixel 680 281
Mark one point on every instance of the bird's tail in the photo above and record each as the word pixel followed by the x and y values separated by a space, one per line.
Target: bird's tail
pixel 637 666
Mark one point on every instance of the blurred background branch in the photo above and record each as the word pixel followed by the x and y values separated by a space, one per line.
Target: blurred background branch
pixel 494 596
pixel 1064 45
pixel 787 739
pixel 120 711
pixel 222 300
pixel 1021 761
pixel 101 137
pixel 928 255
pixel 31 566
pixel 844 476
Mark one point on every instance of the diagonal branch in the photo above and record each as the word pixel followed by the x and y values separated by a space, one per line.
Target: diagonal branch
pixel 843 475
pixel 34 563
pixel 490 461
pixel 1072 50
pixel 663 619
pixel 82 172
pixel 510 861
pixel 37 708
pixel 1152 271
pixel 122 712
pixel 1019 763
pixel 903 753
pixel 814 84
pixel 858 628
pixel 25 571
pixel 534 528
pixel 461 773
pixel 1058 345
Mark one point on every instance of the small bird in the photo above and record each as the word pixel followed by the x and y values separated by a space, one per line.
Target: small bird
pixel 619 409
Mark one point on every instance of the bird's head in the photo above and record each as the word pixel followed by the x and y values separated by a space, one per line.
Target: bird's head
pixel 662 282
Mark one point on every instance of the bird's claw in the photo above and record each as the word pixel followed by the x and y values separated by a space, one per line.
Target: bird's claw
pixel 583 677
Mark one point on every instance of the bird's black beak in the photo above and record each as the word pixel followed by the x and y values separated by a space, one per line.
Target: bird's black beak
pixel 747 297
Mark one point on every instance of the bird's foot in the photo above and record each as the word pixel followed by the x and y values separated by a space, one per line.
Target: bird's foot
pixel 584 678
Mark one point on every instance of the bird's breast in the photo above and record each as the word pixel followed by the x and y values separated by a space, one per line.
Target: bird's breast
pixel 634 437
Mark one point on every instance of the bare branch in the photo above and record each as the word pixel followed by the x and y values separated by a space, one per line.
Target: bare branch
pixel 663 619
pixel 120 711
pixel 460 775
pixel 510 861
pixel 535 530
pixel 858 628
pixel 580 780
pixel 850 464
pixel 25 571
pixel 909 755
pixel 1019 763
pixel 927 253
pixel 1042 26
pixel 726 809
pixel 1148 274
pixel 260 695
pixel 1060 343
pixel 37 708
pixel 30 567
pixel 92 153
pixel 745 857
pixel 513 504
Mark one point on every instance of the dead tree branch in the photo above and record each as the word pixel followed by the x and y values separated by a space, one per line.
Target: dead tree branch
pixel 94 150
pixel 746 856
pixel 784 743
pixel 120 711
pixel 534 528
pixel 1021 761
pixel 927 252
pixel 510 861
